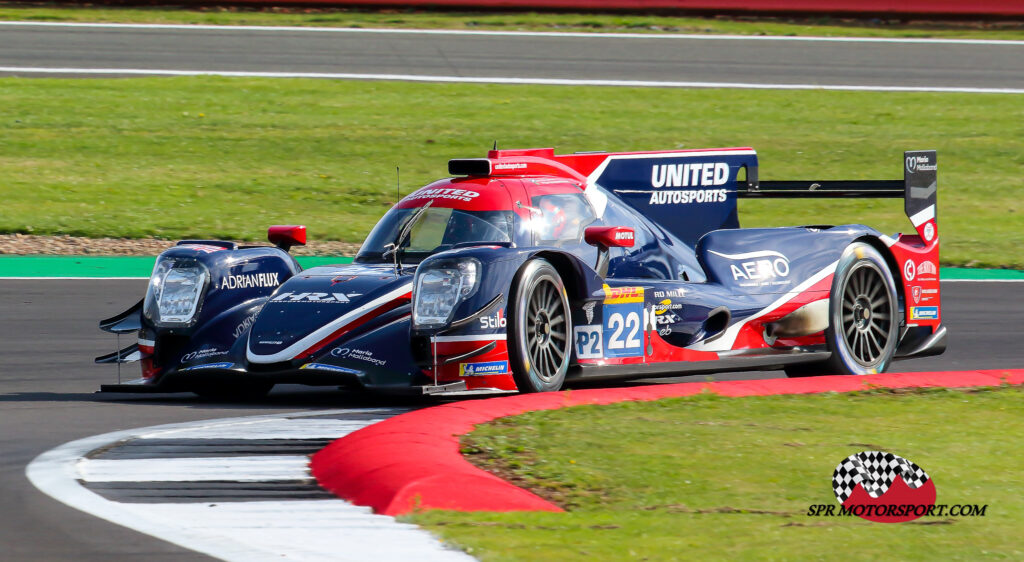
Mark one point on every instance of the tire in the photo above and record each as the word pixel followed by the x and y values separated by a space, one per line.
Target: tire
pixel 540 325
pixel 234 391
pixel 863 325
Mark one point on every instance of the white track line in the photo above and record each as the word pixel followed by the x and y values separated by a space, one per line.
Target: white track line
pixel 325 530
pixel 500 80
pixel 262 428
pixel 264 468
pixel 498 33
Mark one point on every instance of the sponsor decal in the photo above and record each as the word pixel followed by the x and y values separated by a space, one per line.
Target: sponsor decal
pixel 665 331
pixel 588 341
pixel 249 281
pixel 588 309
pixel 688 196
pixel 329 298
pixel 909 270
pixel 930 291
pixel 665 305
pixel 623 235
pixel 924 313
pixel 202 354
pixel 929 232
pixel 677 293
pixel 765 267
pixel 444 193
pixel 689 175
pixel 497 320
pixel 927 268
pixel 270 342
pixel 342 279
pixel 622 330
pixel 245 325
pixel 920 163
pixel 358 354
pixel 334 368
pixel 916 292
pixel 885 488
pixel 666 318
pixel 619 295
pixel 510 166
pixel 225 365
pixel 483 369
pixel 204 248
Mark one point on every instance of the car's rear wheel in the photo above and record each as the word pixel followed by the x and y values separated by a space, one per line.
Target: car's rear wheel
pixel 863 317
pixel 539 328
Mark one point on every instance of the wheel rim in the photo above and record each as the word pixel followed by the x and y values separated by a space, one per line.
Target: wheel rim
pixel 866 315
pixel 546 333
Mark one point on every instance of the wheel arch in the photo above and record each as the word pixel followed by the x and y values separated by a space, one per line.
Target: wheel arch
pixel 572 272
pixel 894 269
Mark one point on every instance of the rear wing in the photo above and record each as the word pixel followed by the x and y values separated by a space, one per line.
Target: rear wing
pixel 918 188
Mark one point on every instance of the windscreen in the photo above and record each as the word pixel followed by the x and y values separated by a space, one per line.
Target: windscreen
pixel 435 230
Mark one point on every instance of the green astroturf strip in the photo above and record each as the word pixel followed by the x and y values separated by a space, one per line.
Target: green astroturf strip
pixel 141 266
pixel 96 266
pixel 981 274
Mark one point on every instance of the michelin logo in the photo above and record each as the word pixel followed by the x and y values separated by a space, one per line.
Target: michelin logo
pixel 924 313
pixel 480 369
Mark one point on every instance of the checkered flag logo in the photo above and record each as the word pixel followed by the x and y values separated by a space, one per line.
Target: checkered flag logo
pixel 875 471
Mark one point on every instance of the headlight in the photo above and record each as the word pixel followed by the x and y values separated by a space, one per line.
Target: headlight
pixel 175 289
pixel 439 288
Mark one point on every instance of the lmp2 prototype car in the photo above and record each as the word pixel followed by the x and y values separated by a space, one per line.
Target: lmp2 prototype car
pixel 528 270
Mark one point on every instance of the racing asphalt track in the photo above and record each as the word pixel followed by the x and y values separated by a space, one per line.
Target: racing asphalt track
pixel 33 49
pixel 47 382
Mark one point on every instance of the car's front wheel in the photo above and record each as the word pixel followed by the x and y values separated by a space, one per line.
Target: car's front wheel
pixel 539 328
pixel 863 316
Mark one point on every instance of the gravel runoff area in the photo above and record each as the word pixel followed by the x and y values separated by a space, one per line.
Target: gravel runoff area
pixel 26 244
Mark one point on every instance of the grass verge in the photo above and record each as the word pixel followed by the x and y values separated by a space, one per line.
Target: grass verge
pixel 224 157
pixel 708 477
pixel 515 21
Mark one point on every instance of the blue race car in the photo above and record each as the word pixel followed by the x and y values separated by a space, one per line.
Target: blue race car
pixel 529 270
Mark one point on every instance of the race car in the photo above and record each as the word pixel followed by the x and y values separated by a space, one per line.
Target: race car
pixel 527 271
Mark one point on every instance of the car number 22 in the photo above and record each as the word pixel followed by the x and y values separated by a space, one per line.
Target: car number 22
pixel 623 330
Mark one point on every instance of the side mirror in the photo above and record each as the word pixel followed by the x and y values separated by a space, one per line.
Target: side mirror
pixel 605 237
pixel 286 236
pixel 610 236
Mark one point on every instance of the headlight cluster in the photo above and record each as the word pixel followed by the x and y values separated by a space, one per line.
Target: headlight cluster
pixel 174 292
pixel 440 287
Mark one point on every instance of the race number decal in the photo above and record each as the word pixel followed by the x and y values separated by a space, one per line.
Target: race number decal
pixel 588 342
pixel 623 321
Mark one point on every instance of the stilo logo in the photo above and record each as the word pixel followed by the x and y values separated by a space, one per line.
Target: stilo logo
pixel 880 487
